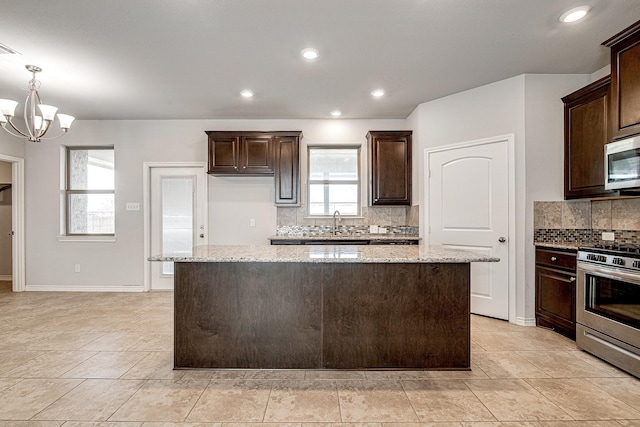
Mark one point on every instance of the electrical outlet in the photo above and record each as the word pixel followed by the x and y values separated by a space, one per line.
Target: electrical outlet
pixel 76 268
pixel 252 222
pixel 608 235
pixel 373 229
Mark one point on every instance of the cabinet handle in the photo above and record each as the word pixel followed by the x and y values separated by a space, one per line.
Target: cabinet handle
pixel 573 279
pixel 554 259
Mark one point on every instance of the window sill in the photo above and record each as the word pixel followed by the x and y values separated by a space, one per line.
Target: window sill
pixel 87 239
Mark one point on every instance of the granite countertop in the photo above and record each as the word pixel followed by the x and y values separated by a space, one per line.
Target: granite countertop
pixel 574 245
pixel 347 237
pixel 327 253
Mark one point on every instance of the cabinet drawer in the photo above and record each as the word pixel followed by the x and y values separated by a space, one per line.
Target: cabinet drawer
pixel 556 259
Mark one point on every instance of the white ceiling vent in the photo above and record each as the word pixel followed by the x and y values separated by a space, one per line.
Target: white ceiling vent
pixel 6 50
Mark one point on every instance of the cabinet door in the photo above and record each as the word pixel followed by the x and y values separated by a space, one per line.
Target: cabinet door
pixel 256 155
pixel 625 82
pixel 556 300
pixel 585 121
pixel 287 170
pixel 224 152
pixel 390 167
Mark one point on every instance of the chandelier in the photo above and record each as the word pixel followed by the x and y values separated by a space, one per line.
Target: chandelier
pixel 36 125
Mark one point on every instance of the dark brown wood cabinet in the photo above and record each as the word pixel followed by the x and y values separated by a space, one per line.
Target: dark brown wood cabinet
pixel 585 134
pixel 287 170
pixel 240 153
pixel 254 153
pixel 625 82
pixel 556 290
pixel 389 155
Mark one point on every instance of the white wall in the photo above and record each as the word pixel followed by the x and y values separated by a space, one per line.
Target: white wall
pixel 120 265
pixel 528 106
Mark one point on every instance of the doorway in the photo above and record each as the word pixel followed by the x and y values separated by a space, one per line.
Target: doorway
pixel 470 205
pixel 12 225
pixel 176 203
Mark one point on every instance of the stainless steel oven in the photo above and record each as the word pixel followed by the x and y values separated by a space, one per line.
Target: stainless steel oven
pixel 622 164
pixel 608 305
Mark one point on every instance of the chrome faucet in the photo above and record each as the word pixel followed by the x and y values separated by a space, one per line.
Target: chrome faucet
pixel 335 228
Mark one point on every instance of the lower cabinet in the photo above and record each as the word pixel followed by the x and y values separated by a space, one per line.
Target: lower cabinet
pixel 556 290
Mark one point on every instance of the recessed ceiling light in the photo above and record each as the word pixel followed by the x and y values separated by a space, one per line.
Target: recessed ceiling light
pixel 247 93
pixel 575 14
pixel 377 93
pixel 336 113
pixel 310 53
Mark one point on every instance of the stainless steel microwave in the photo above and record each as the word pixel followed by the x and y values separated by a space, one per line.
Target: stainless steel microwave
pixel 622 164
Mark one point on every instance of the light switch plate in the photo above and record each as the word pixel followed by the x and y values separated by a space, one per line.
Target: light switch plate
pixel 133 206
pixel 373 229
pixel 608 235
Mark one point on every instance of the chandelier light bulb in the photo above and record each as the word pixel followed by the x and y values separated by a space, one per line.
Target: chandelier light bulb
pixel 36 125
pixel 310 53
pixel 378 93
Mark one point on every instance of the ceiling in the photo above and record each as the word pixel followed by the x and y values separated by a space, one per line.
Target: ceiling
pixel 189 59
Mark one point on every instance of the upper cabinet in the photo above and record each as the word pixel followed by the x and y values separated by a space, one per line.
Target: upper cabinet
pixel 625 82
pixel 240 153
pixel 253 153
pixel 585 134
pixel 389 155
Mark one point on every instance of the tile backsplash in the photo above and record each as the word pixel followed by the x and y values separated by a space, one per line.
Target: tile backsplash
pixel 397 220
pixel 582 222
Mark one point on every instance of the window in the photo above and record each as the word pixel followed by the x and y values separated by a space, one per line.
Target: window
pixel 90 191
pixel 334 180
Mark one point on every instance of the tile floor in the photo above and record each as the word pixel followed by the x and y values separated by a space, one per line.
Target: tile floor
pixel 105 359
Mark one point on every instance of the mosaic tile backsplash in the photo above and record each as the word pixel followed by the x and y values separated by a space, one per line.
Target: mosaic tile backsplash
pixel 401 220
pixel 578 223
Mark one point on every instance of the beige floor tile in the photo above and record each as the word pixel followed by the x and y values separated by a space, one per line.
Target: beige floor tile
pixel 374 401
pixel 303 401
pixel 515 400
pixel 502 424
pixel 161 341
pixel 475 373
pixel 213 374
pixel 445 400
pixel 268 374
pixel 437 424
pixel 30 396
pixel 31 423
pixel 157 365
pixel 50 364
pixel 106 365
pixel 624 389
pixel 629 423
pixel 335 375
pixel 397 375
pixel 161 400
pixel 580 423
pixel 93 400
pixel 100 424
pixel 583 400
pixel 232 401
pixel 500 341
pixel 65 341
pixel 482 323
pixel 13 359
pixel 562 364
pixel 506 364
pixel 602 366
pixel 161 424
pixel 5 383
pixel 115 341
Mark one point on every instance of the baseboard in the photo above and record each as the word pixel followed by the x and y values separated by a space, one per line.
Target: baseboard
pixel 82 288
pixel 525 321
pixel 5 277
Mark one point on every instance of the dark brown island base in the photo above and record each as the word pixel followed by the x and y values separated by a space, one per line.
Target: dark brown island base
pixel 322 307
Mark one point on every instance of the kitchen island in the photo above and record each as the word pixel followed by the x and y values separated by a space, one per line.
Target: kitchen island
pixel 322 307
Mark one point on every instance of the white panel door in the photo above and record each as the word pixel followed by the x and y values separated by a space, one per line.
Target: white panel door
pixel 468 202
pixel 178 206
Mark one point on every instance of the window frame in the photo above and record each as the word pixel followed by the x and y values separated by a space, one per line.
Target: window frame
pixel 358 181
pixel 68 192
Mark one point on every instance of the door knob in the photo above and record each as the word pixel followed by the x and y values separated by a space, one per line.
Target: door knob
pixel 502 240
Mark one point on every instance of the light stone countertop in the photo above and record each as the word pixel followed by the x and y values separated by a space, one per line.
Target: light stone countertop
pixel 346 237
pixel 327 253
pixel 573 246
